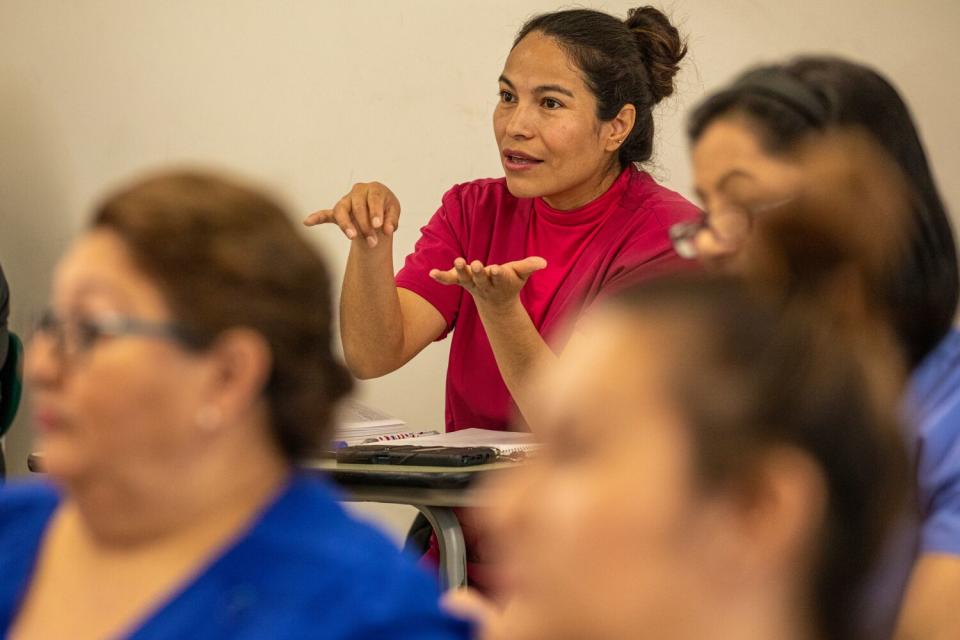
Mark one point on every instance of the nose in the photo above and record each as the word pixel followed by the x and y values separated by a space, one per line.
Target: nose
pixel 42 365
pixel 520 123
pixel 713 252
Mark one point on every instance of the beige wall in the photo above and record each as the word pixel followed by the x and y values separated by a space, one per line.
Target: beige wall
pixel 311 96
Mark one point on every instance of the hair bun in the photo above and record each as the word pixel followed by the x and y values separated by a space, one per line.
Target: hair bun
pixel 660 45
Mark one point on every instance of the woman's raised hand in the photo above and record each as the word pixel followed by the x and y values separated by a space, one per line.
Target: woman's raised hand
pixel 369 210
pixel 495 284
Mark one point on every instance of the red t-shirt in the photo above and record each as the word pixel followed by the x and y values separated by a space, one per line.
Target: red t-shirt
pixel 617 239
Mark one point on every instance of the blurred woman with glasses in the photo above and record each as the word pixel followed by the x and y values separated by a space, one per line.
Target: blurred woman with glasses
pixel 184 369
pixel 743 142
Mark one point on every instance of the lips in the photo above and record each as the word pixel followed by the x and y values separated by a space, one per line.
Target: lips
pixel 47 419
pixel 518 160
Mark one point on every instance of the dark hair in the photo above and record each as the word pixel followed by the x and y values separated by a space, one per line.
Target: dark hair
pixel 750 378
pixel 623 62
pixel 786 102
pixel 225 255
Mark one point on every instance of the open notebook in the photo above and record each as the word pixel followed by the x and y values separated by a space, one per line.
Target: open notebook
pixel 356 422
pixel 510 445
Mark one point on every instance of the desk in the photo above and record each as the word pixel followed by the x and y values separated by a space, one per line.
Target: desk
pixel 434 491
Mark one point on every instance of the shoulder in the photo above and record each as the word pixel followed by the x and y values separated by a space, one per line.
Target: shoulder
pixel 934 395
pixel 663 207
pixel 307 520
pixel 477 196
pixel 331 569
pixel 480 187
pixel 23 503
pixel 935 400
pixel 25 511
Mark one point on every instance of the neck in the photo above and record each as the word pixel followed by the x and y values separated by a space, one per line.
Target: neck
pixel 221 487
pixel 585 192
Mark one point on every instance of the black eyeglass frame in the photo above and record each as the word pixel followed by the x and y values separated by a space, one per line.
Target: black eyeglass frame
pixel 90 332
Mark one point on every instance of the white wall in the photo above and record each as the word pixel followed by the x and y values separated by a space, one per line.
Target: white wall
pixel 309 97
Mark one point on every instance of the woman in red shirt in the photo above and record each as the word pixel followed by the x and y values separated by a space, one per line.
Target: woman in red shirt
pixel 505 263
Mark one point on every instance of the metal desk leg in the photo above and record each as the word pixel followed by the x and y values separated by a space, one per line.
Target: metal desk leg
pixel 453 551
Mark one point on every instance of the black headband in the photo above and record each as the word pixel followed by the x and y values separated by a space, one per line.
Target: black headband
pixel 786 90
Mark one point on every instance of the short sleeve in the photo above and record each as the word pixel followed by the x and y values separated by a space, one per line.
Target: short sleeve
pixel 933 407
pixel 941 530
pixel 441 242
pixel 941 482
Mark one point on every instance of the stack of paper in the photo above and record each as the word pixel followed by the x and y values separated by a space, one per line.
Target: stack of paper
pixel 357 422
pixel 509 444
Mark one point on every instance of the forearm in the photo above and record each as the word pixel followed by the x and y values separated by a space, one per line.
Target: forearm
pixel 930 607
pixel 519 350
pixel 371 321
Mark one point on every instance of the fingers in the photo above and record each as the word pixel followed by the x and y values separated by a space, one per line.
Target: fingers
pixel 445 277
pixel 318 217
pixel 461 274
pixel 524 268
pixel 481 278
pixel 391 214
pixel 383 208
pixel 464 272
pixel 361 214
pixel 341 215
pixel 477 278
pixel 369 208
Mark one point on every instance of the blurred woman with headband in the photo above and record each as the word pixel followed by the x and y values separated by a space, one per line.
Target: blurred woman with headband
pixel 742 138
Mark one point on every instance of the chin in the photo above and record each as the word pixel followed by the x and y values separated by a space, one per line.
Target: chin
pixel 61 460
pixel 523 187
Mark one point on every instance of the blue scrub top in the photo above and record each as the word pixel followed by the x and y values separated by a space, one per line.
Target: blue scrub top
pixel 935 407
pixel 304 570
pixel 932 407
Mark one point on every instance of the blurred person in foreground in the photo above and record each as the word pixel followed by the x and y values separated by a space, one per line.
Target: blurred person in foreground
pixel 725 458
pixel 743 139
pixel 184 368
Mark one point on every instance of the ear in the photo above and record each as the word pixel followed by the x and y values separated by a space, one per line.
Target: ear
pixel 759 531
pixel 614 132
pixel 241 361
pixel 783 511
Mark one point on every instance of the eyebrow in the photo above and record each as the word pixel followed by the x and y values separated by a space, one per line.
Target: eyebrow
pixel 724 181
pixel 95 288
pixel 543 88
pixel 730 176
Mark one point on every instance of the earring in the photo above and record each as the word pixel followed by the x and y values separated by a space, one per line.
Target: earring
pixel 208 418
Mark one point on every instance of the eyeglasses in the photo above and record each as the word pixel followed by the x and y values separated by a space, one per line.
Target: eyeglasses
pixel 73 339
pixel 729 225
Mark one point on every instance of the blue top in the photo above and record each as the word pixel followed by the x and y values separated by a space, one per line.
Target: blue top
pixel 935 406
pixel 303 570
pixel 932 408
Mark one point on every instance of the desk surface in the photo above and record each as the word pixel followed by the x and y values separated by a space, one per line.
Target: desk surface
pixel 402 484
